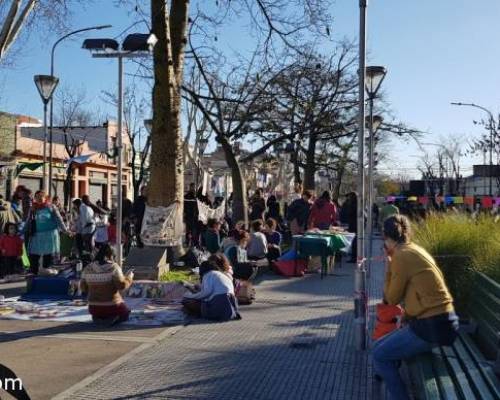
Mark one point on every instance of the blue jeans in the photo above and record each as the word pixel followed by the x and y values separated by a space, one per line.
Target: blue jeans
pixel 387 351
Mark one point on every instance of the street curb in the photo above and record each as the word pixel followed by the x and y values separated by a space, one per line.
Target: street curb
pixel 170 331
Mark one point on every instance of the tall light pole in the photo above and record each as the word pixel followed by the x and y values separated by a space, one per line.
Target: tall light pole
pixel 374 77
pixel 134 46
pixel 51 112
pixel 373 122
pixel 360 295
pixel 492 129
pixel 46 84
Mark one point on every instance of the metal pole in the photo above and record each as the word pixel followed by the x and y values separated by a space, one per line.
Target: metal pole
pixel 491 156
pixel 119 143
pixel 370 189
pixel 360 275
pixel 51 123
pixel 44 182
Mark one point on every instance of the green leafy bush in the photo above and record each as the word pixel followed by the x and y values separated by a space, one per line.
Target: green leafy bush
pixel 461 246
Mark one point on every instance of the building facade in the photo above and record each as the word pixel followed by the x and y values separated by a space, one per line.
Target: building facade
pixel 93 170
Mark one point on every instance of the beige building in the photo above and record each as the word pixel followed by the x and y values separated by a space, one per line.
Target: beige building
pixel 94 170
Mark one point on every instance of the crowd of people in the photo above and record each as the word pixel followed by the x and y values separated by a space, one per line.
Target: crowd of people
pixel 37 227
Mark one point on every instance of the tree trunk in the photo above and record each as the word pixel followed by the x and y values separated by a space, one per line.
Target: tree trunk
pixel 338 182
pixel 167 167
pixel 310 169
pixel 67 186
pixel 294 158
pixel 240 203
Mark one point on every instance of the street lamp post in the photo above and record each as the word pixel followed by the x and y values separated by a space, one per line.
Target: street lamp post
pixel 134 46
pixel 46 84
pixel 374 77
pixel 360 297
pixel 373 122
pixel 51 112
pixel 492 129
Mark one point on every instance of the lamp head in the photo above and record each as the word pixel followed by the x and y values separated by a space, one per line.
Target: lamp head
pixel 139 42
pixel 374 77
pixel 148 123
pixel 46 84
pixel 101 45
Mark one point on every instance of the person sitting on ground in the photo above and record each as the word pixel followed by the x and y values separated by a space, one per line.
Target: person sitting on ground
pixel 323 213
pixel 233 237
pixel 238 257
pixel 11 251
pixel 257 248
pixel 414 279
pixel 216 299
pixel 103 280
pixel 211 237
pixel 273 240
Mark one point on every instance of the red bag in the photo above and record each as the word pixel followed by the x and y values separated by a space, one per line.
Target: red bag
pixel 388 320
pixel 290 267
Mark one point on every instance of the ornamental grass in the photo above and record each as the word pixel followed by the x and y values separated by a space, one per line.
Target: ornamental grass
pixel 461 246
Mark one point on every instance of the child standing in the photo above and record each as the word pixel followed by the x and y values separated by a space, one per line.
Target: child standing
pixel 11 248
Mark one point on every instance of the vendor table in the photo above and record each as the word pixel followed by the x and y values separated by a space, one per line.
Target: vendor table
pixel 323 244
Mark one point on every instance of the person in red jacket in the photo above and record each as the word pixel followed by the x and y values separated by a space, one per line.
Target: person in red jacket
pixel 323 213
pixel 11 249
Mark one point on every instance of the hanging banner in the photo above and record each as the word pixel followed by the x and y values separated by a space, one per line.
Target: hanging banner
pixel 487 202
pixel 458 200
pixel 497 201
pixel 78 159
pixel 412 198
pixel 424 200
pixel 162 226
pixel 469 200
pixel 205 212
pixel 31 166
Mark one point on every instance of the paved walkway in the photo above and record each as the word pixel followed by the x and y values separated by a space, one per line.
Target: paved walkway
pixel 295 342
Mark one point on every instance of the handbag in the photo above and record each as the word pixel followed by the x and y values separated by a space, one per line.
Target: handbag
pixel 388 320
pixel 245 292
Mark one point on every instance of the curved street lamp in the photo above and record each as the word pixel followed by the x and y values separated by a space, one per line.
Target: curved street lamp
pixel 492 128
pixel 46 84
pixel 51 112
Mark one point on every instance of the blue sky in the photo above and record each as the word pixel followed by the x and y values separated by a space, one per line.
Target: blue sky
pixel 436 51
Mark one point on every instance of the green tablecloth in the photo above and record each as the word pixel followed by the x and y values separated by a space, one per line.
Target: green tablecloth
pixel 337 241
pixel 323 244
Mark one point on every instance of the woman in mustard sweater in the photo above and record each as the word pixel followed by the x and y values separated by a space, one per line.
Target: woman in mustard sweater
pixel 414 280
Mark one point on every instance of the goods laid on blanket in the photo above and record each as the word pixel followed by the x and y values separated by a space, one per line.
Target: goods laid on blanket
pixel 151 303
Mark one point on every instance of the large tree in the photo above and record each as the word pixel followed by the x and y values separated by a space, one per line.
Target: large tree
pixel 269 20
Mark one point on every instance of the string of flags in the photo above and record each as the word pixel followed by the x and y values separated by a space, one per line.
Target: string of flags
pixel 485 201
